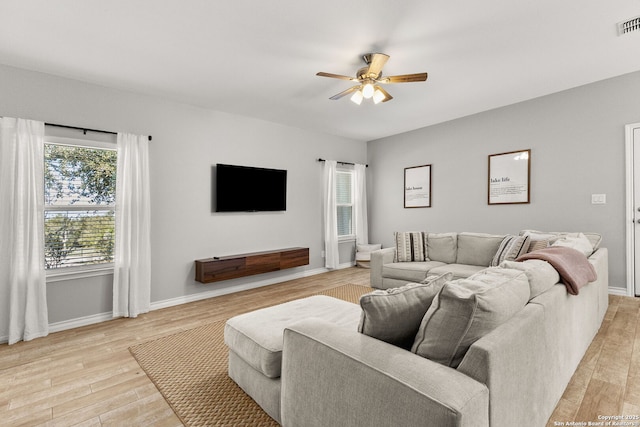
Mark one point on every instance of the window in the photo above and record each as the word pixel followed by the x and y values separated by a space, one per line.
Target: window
pixel 344 202
pixel 79 218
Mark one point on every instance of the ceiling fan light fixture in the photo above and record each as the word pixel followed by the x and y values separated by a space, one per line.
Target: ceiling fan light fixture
pixel 378 96
pixel 367 90
pixel 370 78
pixel 357 97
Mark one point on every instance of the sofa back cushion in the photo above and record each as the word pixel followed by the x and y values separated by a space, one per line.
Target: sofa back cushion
pixel 442 247
pixel 394 315
pixel 465 310
pixel 477 248
pixel 542 276
pixel 410 246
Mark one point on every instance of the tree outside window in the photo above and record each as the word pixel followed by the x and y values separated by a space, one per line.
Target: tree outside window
pixel 80 185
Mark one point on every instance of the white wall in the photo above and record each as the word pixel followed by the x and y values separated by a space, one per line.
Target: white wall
pixel 576 139
pixel 187 142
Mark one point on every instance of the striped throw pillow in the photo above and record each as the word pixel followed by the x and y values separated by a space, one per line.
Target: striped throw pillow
pixel 510 249
pixel 538 244
pixel 411 246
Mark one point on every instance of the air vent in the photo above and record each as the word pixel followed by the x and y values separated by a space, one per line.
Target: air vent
pixel 629 25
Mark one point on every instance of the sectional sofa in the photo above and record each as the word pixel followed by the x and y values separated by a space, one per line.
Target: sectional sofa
pixel 496 348
pixel 463 253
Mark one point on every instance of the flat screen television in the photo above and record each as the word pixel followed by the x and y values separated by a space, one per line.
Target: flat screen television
pixel 249 189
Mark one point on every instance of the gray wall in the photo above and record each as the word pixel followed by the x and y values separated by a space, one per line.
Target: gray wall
pixel 576 139
pixel 187 141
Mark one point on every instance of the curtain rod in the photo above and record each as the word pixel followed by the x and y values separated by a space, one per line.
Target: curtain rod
pixel 342 163
pixel 84 130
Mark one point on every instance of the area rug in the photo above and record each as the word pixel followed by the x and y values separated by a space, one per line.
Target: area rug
pixel 190 370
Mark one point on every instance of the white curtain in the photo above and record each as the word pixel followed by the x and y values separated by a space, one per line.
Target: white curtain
pixel 132 273
pixel 360 204
pixel 22 276
pixel 331 259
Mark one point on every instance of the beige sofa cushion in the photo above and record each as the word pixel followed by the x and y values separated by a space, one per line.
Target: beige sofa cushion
pixel 477 248
pixel 442 247
pixel 541 275
pixel 394 315
pixel 460 271
pixel 465 310
pixel 409 271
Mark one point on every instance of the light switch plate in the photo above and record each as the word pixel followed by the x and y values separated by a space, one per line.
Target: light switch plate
pixel 598 199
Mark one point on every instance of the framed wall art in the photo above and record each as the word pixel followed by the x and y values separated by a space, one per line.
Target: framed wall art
pixel 509 177
pixel 417 187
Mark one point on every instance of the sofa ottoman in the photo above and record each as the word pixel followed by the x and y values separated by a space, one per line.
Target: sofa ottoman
pixel 255 343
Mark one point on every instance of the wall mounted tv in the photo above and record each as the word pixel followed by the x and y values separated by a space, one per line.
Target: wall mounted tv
pixel 249 189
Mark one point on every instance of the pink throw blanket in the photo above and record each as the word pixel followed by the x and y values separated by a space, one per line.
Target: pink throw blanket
pixel 573 266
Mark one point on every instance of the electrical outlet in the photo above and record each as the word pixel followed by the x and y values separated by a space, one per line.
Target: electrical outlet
pixel 598 199
pixel 322 254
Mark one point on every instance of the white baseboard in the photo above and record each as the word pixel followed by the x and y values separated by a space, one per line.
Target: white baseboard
pixel 79 321
pixel 619 291
pixel 346 265
pixel 243 287
pixel 71 324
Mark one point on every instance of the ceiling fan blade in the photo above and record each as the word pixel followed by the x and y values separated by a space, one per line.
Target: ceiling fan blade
pixel 387 96
pixel 345 92
pixel 405 78
pixel 377 61
pixel 336 76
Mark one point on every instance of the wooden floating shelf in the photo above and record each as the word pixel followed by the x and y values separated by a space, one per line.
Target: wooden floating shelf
pixel 233 266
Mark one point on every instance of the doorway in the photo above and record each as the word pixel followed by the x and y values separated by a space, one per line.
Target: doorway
pixel 632 150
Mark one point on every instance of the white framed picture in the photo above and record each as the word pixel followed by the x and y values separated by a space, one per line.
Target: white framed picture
pixel 509 177
pixel 417 187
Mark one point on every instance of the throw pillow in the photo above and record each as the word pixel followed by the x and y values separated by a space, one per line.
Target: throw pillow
pixel 410 246
pixel 394 315
pixel 579 243
pixel 465 310
pixel 539 240
pixel 594 238
pixel 510 249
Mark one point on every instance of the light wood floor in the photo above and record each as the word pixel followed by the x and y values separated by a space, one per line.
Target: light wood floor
pixel 87 377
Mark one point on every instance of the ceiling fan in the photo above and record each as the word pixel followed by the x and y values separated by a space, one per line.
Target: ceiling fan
pixel 369 79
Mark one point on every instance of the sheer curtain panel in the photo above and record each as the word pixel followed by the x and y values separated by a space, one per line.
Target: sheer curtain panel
pixel 23 298
pixel 360 204
pixel 132 270
pixel 331 259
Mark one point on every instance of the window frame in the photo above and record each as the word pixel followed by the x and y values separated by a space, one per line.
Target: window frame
pixel 89 270
pixel 352 236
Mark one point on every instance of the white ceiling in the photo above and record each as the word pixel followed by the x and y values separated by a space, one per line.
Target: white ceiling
pixel 259 58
